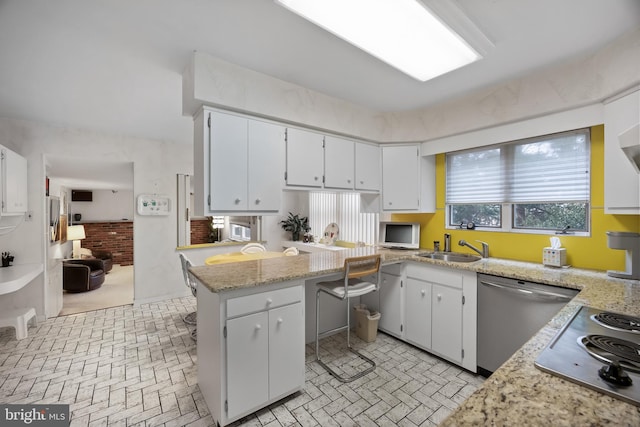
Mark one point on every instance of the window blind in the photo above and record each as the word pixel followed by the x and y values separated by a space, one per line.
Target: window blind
pixel 344 210
pixel 553 168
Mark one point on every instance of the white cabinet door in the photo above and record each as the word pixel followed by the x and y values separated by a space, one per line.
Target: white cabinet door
pixel 621 181
pixel 417 314
pixel 400 178
pixel 265 166
pixel 14 176
pixel 228 163
pixel 247 363
pixel 305 155
pixel 446 322
pixel 286 349
pixel 367 173
pixel 339 163
pixel 391 304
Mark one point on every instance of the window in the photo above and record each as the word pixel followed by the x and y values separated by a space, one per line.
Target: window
pixel 534 184
pixel 344 210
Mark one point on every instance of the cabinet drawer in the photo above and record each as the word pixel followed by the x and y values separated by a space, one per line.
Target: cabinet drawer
pixel 446 276
pixel 263 301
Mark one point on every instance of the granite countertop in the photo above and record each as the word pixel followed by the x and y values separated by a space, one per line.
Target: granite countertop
pixel 517 393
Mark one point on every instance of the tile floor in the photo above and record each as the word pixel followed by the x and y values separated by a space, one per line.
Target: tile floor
pixel 136 366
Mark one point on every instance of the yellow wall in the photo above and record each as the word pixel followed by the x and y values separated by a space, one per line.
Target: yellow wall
pixel 583 252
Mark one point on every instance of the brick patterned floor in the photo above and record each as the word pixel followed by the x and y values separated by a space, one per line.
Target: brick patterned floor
pixel 136 366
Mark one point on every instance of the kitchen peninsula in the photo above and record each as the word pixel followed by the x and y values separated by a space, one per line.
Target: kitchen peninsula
pixel 517 393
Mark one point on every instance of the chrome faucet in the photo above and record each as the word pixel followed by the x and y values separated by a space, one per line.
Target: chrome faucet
pixel 447 242
pixel 485 247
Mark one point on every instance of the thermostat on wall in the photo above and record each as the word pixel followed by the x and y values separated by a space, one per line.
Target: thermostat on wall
pixel 153 204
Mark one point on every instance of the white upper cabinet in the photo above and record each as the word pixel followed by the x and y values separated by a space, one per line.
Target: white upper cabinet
pixel 238 164
pixel 265 166
pixel 339 160
pixel 367 173
pixel 400 178
pixel 621 180
pixel 228 162
pixel 315 160
pixel 304 158
pixel 14 182
pixel 408 180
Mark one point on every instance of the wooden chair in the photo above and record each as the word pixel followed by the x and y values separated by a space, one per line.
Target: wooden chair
pixel 351 285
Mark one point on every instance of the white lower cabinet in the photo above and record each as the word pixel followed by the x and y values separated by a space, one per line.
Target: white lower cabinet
pixel 417 314
pixel 391 304
pixel 250 348
pixel 439 312
pixel 286 355
pixel 247 366
pixel 446 322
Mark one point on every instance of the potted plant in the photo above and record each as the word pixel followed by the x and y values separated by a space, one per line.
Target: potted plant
pixel 295 224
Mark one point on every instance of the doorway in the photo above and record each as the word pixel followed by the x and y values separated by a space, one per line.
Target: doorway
pixel 97 198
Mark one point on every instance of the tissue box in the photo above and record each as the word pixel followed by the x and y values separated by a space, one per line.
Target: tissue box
pixel 554 257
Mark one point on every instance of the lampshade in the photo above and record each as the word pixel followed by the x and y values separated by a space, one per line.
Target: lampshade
pixel 76 232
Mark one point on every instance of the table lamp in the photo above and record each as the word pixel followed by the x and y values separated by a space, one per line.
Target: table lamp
pixel 76 233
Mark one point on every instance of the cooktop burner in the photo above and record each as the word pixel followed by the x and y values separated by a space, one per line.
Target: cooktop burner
pixel 618 321
pixel 596 352
pixel 611 349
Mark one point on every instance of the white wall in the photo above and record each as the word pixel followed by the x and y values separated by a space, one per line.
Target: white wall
pixel 106 206
pixel 296 202
pixel 577 83
pixel 157 271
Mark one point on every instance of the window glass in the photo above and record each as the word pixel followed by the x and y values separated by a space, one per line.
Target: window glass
pixel 544 183
pixel 481 215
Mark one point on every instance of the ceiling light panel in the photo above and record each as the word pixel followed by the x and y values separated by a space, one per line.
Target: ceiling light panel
pixel 402 33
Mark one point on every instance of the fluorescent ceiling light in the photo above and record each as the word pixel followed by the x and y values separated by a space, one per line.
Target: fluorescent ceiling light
pixel 402 33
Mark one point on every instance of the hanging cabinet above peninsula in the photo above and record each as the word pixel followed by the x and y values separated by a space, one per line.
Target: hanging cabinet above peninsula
pixel 238 164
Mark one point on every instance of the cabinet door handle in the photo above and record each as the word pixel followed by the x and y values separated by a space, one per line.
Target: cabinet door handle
pixel 269 301
pixel 423 292
pixel 258 326
pixel 315 178
pixel 439 297
pixel 258 201
pixel 237 201
pixel 279 320
pixel 348 181
pixel 361 182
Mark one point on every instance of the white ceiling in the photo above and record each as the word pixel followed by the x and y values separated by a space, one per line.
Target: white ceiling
pixel 115 66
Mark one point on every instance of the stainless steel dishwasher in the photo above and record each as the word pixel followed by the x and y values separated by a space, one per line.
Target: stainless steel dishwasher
pixel 511 311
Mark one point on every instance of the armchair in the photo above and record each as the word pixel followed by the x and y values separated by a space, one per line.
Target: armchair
pixel 107 259
pixel 82 275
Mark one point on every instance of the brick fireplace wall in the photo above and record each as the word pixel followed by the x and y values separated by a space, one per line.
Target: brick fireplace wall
pixel 200 231
pixel 115 237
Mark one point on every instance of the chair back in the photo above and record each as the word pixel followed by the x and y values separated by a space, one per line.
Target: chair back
pixel 358 267
pixel 253 248
pixel 291 251
pixel 188 278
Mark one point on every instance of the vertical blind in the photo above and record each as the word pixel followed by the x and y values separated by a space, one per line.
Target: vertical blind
pixel 553 168
pixel 344 210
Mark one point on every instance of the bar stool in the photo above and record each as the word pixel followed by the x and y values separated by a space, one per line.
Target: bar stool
pixel 352 285
pixel 191 318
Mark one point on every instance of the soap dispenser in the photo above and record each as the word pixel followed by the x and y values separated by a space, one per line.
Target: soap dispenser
pixel 447 242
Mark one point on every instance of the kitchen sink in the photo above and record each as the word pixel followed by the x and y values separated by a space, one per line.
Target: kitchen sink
pixel 450 256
